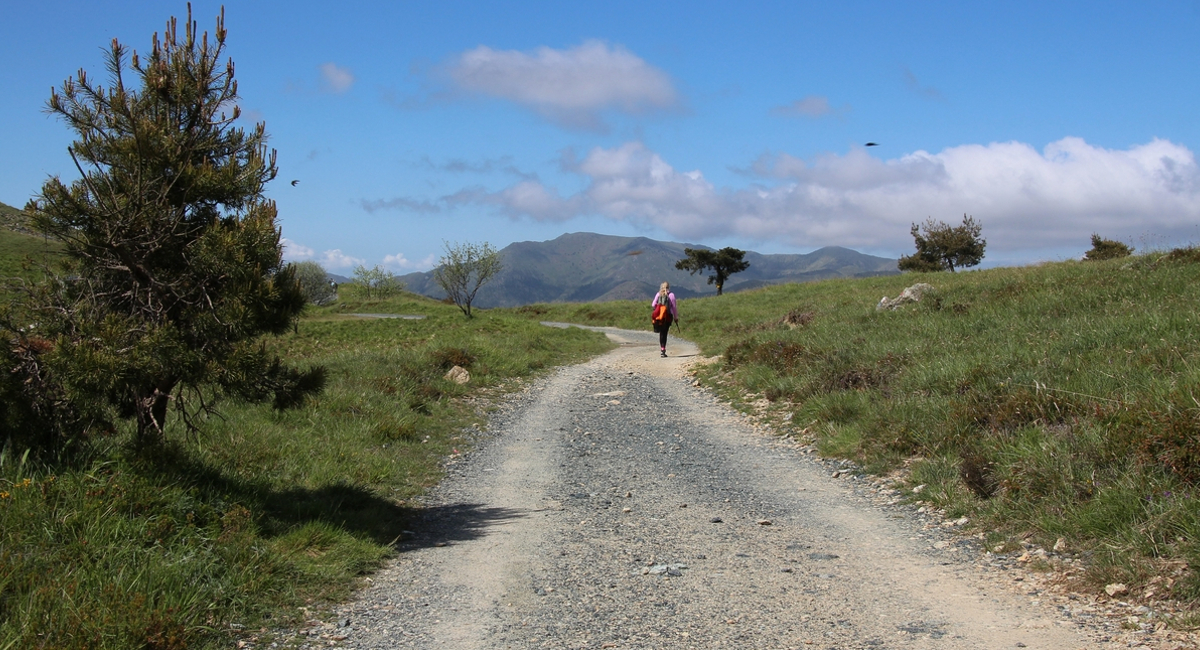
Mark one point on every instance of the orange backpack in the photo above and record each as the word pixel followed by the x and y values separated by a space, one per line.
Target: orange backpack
pixel 661 314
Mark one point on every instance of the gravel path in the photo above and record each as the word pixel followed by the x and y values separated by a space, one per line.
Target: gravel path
pixel 614 505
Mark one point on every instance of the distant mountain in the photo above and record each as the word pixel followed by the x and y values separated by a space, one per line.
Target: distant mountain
pixel 586 267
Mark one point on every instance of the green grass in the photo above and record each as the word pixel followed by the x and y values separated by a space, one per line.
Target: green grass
pixel 1050 401
pixel 230 530
pixel 1059 400
pixel 17 249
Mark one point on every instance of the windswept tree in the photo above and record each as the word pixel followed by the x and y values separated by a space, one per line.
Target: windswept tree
pixel 464 269
pixel 173 267
pixel 722 263
pixel 942 247
pixel 1106 249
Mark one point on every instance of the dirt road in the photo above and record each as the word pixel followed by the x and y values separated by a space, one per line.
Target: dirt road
pixel 617 506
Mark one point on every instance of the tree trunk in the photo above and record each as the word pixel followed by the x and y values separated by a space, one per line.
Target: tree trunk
pixel 152 416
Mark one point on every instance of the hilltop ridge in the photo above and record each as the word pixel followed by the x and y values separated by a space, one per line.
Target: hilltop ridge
pixel 589 267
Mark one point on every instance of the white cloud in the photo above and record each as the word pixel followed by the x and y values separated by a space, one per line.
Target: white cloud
pixel 294 252
pixel 571 87
pixel 1027 200
pixel 335 79
pixel 336 259
pixel 399 262
pixel 810 106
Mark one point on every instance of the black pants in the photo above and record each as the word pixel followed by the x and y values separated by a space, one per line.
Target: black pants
pixel 662 334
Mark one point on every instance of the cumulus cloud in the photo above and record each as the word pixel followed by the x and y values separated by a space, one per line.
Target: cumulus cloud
pixel 399 262
pixel 336 259
pixel 335 79
pixel 810 106
pixel 570 87
pixel 1025 198
pixel 295 252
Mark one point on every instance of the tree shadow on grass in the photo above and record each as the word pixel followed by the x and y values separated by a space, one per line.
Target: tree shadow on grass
pixel 357 510
pixel 342 506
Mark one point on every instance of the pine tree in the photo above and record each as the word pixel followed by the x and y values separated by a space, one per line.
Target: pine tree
pixel 173 268
pixel 723 264
pixel 942 247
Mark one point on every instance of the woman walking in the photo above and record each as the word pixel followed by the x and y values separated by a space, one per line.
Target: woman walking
pixel 663 313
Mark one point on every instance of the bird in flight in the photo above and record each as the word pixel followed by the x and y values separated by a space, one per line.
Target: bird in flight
pixel 869 144
pixel 294 183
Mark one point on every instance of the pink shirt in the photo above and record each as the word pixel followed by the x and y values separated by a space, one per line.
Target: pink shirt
pixel 671 304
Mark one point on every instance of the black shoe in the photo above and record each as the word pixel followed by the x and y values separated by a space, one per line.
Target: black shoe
pixel 664 354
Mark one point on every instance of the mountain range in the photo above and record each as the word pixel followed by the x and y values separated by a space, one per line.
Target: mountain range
pixel 587 267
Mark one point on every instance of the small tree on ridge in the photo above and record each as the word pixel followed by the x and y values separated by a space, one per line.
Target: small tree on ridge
pixel 464 269
pixel 1106 249
pixel 723 264
pixel 942 247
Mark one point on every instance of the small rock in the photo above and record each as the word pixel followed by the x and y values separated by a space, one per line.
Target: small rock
pixel 918 489
pixel 345 622
pixel 1115 589
pixel 458 375
pixel 715 520
pixel 626 509
pixel 1060 545
pixel 764 522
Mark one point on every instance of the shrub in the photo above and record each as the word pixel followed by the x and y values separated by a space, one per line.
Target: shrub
pixel 1106 249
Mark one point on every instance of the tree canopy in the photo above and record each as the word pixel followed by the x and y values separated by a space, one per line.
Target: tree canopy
pixel 942 247
pixel 173 267
pixel 377 281
pixel 464 269
pixel 722 263
pixel 1106 249
pixel 315 283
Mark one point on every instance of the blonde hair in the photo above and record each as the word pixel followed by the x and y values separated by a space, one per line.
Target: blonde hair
pixel 664 289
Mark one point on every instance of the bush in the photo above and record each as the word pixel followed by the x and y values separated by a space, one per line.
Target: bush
pixel 318 289
pixel 1106 249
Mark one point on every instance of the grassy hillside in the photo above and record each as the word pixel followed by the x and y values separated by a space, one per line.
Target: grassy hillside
pixel 16 247
pixel 237 527
pixel 1047 402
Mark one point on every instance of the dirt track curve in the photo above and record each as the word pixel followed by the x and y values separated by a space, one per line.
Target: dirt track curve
pixel 614 505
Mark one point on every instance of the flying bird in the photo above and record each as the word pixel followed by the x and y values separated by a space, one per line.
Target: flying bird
pixel 869 144
pixel 294 183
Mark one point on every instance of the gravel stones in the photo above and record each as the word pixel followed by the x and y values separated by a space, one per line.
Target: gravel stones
pixel 557 546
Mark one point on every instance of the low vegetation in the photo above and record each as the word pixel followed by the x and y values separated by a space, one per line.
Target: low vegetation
pixel 227 531
pixel 1044 402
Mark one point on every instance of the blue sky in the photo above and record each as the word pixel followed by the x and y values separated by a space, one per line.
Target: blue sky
pixel 725 124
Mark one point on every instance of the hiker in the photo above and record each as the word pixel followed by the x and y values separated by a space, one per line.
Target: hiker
pixel 663 313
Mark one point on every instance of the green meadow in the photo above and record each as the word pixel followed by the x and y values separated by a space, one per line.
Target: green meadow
pixel 229 530
pixel 1043 402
